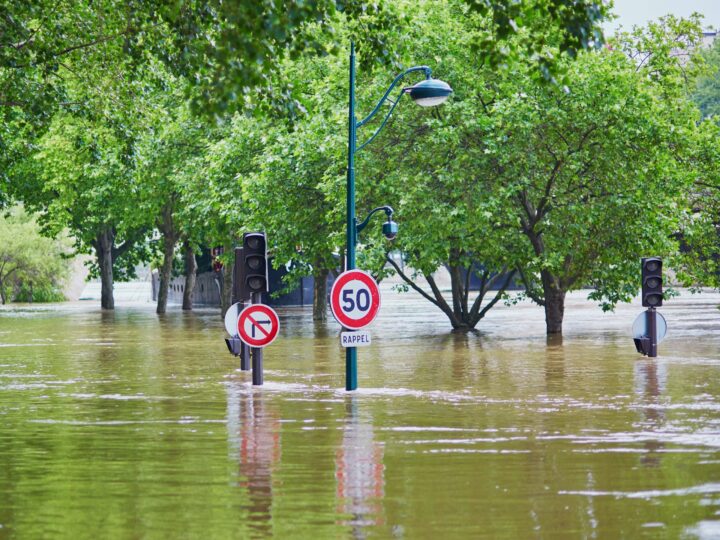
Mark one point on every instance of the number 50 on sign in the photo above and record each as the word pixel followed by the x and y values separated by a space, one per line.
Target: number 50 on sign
pixel 354 299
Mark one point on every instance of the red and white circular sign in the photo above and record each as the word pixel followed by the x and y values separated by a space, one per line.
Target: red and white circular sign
pixel 258 325
pixel 354 299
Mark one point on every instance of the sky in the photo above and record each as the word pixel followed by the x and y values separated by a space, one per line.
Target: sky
pixel 639 12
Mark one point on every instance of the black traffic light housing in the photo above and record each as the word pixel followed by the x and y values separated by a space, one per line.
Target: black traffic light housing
pixel 255 267
pixel 652 295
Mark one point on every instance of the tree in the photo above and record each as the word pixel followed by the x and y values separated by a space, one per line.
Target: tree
pixel 597 175
pixel 30 260
pixel 78 181
pixel 212 196
pixel 700 260
pixel 698 264
pixel 513 173
pixel 173 139
pixel 439 181
pixel 537 30
pixel 96 62
pixel 303 168
pixel 707 93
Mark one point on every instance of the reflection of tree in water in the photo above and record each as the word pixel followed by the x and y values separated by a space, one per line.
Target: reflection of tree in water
pixel 554 363
pixel 360 473
pixel 649 384
pixel 254 435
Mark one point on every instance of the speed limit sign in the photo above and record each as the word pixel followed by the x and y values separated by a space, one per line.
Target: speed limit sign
pixel 355 299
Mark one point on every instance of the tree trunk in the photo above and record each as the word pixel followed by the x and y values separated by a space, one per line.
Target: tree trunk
pixel 320 295
pixel 190 276
pixel 459 290
pixel 167 228
pixel 554 303
pixel 227 283
pixel 104 243
pixel 2 293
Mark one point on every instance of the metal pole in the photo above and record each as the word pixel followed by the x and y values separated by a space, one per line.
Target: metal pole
pixel 237 296
pixel 244 350
pixel 652 330
pixel 351 352
pixel 257 352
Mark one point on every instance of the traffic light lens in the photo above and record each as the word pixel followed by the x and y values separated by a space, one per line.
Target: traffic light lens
pixel 253 242
pixel 653 283
pixel 652 299
pixel 652 266
pixel 256 283
pixel 255 263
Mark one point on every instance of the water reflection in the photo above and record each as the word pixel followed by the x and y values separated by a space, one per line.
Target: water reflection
pixel 359 472
pixel 650 383
pixel 497 435
pixel 254 438
pixel 554 364
pixel 459 354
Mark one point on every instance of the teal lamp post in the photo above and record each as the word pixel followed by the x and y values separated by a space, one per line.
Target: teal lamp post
pixel 427 93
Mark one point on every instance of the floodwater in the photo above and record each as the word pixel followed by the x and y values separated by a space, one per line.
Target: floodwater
pixel 130 425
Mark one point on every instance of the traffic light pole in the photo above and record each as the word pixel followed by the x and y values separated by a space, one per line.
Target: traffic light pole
pixel 652 298
pixel 257 352
pixel 651 315
pixel 244 350
pixel 238 296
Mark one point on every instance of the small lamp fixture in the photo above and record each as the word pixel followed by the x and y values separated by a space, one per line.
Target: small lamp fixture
pixel 430 92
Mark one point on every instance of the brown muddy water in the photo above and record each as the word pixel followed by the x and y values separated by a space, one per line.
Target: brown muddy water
pixel 130 425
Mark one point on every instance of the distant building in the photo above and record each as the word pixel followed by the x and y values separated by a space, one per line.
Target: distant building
pixel 709 37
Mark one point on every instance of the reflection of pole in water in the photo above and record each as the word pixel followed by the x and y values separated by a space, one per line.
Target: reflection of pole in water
pixel 254 435
pixel 649 384
pixel 360 472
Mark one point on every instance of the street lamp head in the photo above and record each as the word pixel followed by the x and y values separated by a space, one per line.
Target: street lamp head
pixel 429 92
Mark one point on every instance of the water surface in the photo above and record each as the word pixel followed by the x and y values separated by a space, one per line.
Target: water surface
pixel 131 425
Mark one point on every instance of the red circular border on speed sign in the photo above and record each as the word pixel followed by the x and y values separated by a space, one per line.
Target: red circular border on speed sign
pixel 354 299
pixel 258 325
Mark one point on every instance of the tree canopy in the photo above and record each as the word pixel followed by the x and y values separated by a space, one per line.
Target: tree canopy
pixel 191 122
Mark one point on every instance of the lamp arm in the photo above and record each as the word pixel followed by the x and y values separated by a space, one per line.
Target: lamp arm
pixel 360 226
pixel 385 121
pixel 428 75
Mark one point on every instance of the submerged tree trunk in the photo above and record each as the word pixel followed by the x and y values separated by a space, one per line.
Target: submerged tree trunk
pixel 463 315
pixel 165 274
pixel 103 245
pixel 320 295
pixel 190 276
pixel 226 283
pixel 167 228
pixel 554 303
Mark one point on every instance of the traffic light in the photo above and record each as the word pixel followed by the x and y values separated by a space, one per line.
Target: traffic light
pixel 255 268
pixel 652 294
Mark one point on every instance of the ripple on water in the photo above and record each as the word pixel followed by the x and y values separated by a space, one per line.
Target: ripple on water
pixel 124 422
pixel 706 529
pixel 701 489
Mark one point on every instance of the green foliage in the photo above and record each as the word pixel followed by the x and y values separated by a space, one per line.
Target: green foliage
pixel 598 175
pixel 707 94
pixel 570 185
pixel 699 262
pixel 32 267
pixel 78 180
pixel 511 172
pixel 303 168
pixel 538 30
